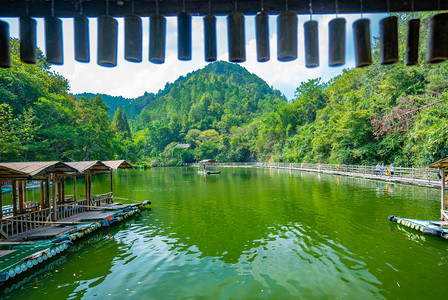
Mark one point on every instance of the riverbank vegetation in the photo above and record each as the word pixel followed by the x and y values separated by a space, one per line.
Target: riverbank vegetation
pixel 395 114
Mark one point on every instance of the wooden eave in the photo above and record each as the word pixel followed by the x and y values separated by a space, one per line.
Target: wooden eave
pixel 37 169
pixel 441 163
pixel 7 173
pixel 117 164
pixel 94 166
pixel 119 8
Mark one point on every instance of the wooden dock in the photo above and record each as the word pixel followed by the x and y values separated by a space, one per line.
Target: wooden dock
pixel 20 253
pixel 415 176
pixel 31 233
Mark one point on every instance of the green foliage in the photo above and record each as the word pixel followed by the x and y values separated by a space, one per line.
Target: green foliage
pixel 391 113
pixel 40 120
pixel 121 125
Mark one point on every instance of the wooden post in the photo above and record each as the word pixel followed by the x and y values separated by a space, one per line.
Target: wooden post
pixel 59 189
pixel 74 188
pixel 1 204
pixel 112 183
pixel 20 186
pixel 54 186
pixel 88 189
pixel 47 192
pixel 42 194
pixel 24 195
pixel 14 197
pixel 442 183
pixel 63 189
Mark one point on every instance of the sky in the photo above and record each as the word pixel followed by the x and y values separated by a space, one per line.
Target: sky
pixel 131 80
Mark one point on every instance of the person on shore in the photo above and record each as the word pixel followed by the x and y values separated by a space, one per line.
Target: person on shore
pixel 392 169
pixel 382 169
pixel 377 169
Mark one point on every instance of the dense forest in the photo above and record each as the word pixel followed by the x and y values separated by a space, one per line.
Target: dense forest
pixel 394 114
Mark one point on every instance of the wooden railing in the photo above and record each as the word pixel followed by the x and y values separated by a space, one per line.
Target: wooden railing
pixel 106 198
pixel 12 225
pixel 23 222
pixel 411 174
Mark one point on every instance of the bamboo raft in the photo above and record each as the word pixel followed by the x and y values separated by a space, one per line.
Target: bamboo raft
pixel 21 253
pixel 428 227
pixel 438 228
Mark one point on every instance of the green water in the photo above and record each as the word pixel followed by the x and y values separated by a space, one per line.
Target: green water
pixel 253 233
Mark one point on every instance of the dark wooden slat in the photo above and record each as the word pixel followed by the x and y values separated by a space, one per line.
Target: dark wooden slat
pixel 95 8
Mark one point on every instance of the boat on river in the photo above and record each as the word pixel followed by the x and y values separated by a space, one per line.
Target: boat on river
pixel 206 167
pixel 438 228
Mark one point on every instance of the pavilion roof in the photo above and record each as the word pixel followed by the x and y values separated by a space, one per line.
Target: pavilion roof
pixel 117 164
pixel 95 166
pixel 37 168
pixel 6 172
pixel 441 163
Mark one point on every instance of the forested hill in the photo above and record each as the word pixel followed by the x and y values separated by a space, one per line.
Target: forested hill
pixel 221 95
pixel 392 114
pixel 113 102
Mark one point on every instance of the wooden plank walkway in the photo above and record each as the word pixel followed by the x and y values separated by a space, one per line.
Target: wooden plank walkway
pixel 397 179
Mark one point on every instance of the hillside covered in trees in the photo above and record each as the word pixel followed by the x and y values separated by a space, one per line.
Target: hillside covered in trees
pixel 395 114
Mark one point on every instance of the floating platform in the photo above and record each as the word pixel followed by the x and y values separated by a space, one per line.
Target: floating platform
pixel 22 252
pixel 427 227
pixel 210 172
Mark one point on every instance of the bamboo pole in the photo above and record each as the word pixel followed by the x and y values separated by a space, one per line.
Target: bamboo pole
pixel 99 207
pixel 53 222
pixel 128 199
pixel 14 198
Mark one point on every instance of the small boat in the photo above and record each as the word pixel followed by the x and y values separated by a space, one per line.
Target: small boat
pixel 211 172
pixel 203 167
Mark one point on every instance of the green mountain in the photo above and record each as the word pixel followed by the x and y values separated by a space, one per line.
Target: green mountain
pixel 219 96
pixel 112 101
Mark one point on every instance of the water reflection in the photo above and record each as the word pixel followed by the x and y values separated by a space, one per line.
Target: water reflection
pixel 259 233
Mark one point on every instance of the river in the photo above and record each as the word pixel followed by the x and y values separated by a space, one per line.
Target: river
pixel 251 233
